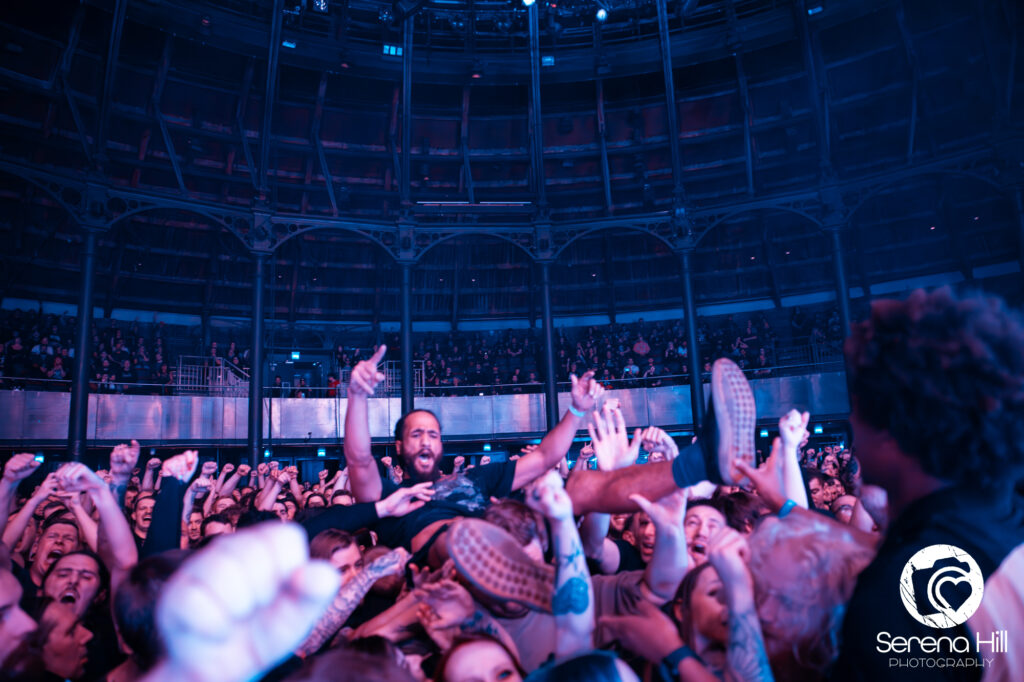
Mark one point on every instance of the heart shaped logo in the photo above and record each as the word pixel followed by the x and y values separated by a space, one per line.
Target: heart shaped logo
pixel 951 593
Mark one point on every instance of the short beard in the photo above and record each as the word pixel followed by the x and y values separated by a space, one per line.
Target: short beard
pixel 413 475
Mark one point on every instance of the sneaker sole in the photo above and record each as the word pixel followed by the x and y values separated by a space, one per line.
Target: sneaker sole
pixel 737 415
pixel 493 562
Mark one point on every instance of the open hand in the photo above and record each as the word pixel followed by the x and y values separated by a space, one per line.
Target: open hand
pixel 610 440
pixel 75 477
pixel 793 429
pixel 405 500
pixel 654 439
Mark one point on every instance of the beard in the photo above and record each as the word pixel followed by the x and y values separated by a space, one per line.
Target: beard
pixel 418 470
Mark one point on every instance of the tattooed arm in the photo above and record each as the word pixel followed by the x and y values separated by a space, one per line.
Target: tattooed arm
pixel 573 601
pixel 349 597
pixel 745 658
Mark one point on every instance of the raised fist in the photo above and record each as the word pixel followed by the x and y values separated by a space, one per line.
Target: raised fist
pixel 244 470
pixel 386 460
pixel 209 469
pixel 123 459
pixel 228 468
pixel 20 467
pixel 262 468
pixel 181 466
pixel 153 463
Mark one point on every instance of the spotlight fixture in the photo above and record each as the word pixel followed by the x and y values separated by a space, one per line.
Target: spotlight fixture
pixel 320 6
pixel 602 14
pixel 527 3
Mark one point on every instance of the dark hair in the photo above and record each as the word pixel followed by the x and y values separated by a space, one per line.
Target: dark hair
pixel 252 517
pixel 135 605
pixel 400 424
pixel 214 518
pixel 944 377
pixel 684 594
pixel 347 665
pixel 742 510
pixel 327 542
pixel 593 666
pixel 61 516
pixel 101 573
pixel 519 520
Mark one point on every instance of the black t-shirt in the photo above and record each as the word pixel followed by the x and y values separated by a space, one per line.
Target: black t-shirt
pixel 464 494
pixel 988 528
pixel 629 558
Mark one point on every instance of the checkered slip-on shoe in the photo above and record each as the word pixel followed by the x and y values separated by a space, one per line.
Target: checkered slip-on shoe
pixel 493 562
pixel 736 417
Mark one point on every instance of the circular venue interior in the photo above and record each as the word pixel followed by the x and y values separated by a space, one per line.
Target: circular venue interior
pixel 616 168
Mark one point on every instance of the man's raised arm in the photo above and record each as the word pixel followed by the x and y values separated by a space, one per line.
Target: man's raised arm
pixel 362 469
pixel 585 392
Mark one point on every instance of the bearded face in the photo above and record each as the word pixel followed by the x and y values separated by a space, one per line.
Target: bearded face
pixel 420 448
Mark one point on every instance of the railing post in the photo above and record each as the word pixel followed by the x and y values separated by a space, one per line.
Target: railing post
pixel 79 416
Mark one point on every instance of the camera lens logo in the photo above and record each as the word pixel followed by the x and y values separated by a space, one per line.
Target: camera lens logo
pixel 942 586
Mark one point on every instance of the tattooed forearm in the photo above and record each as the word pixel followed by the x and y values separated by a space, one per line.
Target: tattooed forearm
pixel 746 660
pixel 119 488
pixel 571 597
pixel 349 597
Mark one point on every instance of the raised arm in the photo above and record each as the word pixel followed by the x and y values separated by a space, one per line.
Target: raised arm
pixel 87 528
pixel 115 544
pixel 123 459
pixel 669 562
pixel 362 469
pixel 573 601
pixel 149 477
pixel 792 431
pixel 745 658
pixel 18 468
pixel 350 596
pixel 234 479
pixel 585 393
pixel 16 528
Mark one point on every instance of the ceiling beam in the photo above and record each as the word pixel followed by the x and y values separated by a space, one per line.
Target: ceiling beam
pixel 270 94
pixel 406 172
pixel 818 90
pixel 158 92
pixel 240 109
pixel 113 50
pixel 602 137
pixel 665 44
pixel 916 74
pixel 318 114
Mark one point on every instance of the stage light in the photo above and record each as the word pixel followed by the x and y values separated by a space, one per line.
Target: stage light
pixel 296 355
pixel 320 6
pixel 818 429
pixel 527 3
pixel 602 14
pixel 290 44
pixel 321 452
pixel 764 433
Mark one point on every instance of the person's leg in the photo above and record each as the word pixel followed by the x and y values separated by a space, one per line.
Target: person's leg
pixel 727 434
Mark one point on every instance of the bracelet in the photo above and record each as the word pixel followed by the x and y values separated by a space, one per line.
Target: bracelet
pixel 786 508
pixel 673 660
pixel 578 413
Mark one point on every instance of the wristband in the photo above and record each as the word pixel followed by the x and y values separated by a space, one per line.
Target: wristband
pixel 673 660
pixel 786 508
pixel 578 413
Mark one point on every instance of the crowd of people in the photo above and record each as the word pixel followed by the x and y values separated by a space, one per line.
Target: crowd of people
pixel 701 563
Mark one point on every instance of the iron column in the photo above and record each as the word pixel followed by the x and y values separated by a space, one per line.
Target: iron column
pixel 255 433
pixel 408 391
pixel 79 416
pixel 693 354
pixel 550 390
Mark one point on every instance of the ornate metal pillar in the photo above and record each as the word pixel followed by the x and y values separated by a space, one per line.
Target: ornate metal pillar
pixel 550 389
pixel 693 353
pixel 255 433
pixel 408 389
pixel 79 416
